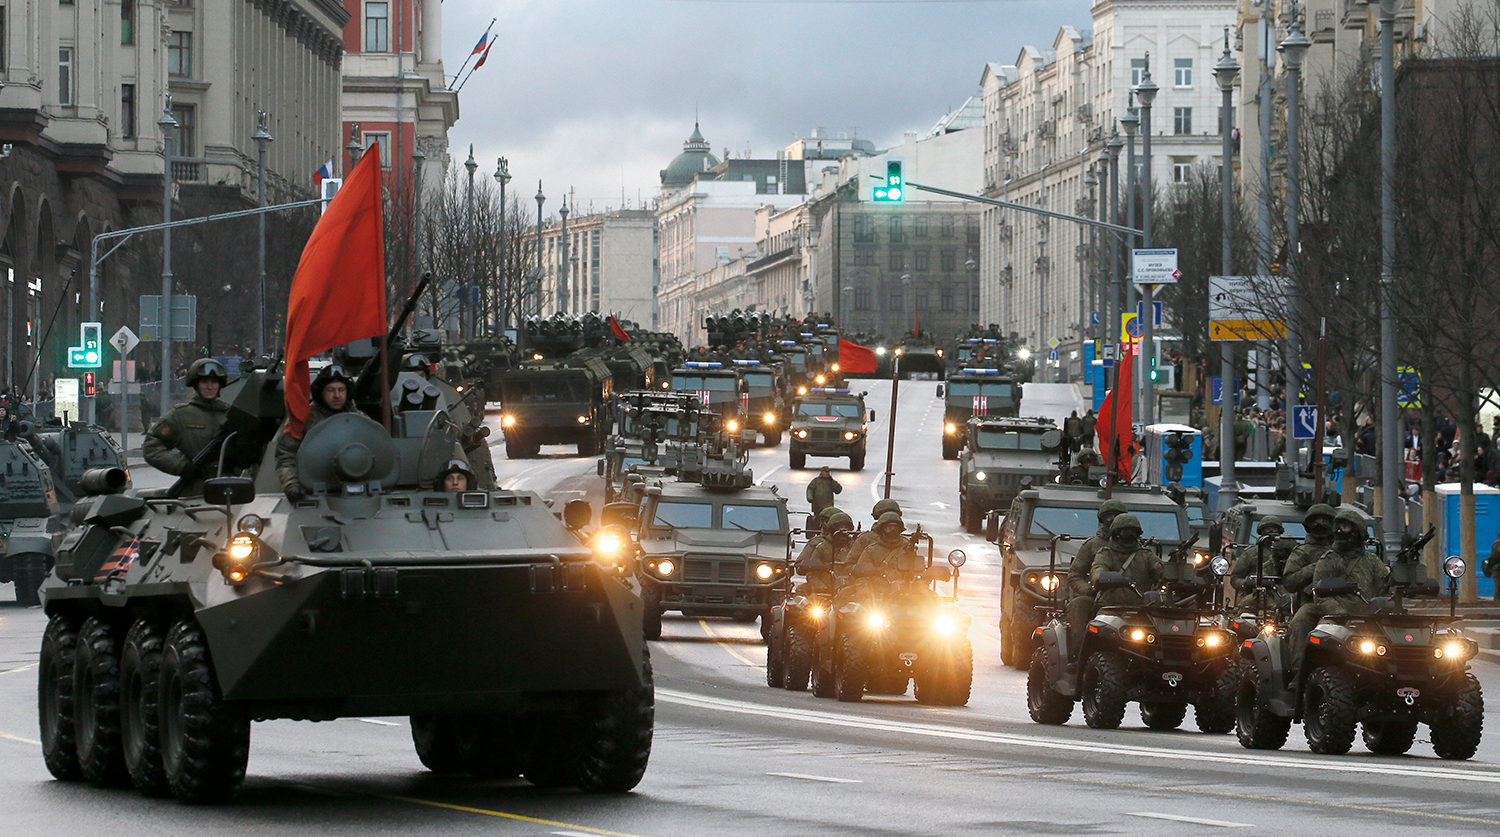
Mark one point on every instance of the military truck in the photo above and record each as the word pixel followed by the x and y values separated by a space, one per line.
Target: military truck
pixel 975 392
pixel 1001 456
pixel 920 353
pixel 717 386
pixel 762 389
pixel 829 422
pixel 712 551
pixel 510 638
pixel 555 402
pixel 655 432
pixel 1024 536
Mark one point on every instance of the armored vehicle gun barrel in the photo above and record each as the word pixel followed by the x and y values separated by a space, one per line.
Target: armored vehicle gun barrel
pixel 104 480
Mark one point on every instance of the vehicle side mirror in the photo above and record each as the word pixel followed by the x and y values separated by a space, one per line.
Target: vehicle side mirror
pixel 992 527
pixel 1111 581
pixel 619 514
pixel 1329 587
pixel 1215 536
pixel 229 491
pixel 939 390
pixel 577 514
pixel 872 415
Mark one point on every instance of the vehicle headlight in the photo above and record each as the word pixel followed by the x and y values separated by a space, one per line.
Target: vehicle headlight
pixel 880 350
pixel 238 559
pixel 252 524
pixel 1268 628
pixel 801 434
pixel 940 352
pixel 583 419
pixel 801 390
pixel 242 547
pixel 1199 557
pixel 1141 635
pixel 980 475
pixel 835 367
pixel 816 611
pixel 950 428
pixel 611 546
pixel 821 380
pixel 665 567
pixel 1211 640
pixel 1219 565
pixel 769 418
pixel 850 435
pixel 459 388
pixel 507 421
pixel 1456 650
pixel 1370 646
pixel 764 572
pixel 876 620
pixel 732 426
pixel 1049 582
pixel 943 624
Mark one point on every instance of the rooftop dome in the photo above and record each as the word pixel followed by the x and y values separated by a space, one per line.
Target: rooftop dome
pixel 695 158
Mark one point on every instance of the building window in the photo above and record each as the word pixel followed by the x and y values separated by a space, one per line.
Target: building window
pixel 948 226
pixel 127 22
pixel 919 259
pixel 65 76
pixel 1182 72
pixel 921 224
pixel 950 261
pixel 1182 121
pixel 864 258
pixel 180 54
pixel 945 296
pixel 861 299
pixel 897 300
pixel 183 139
pixel 3 39
pixel 894 229
pixel 377 27
pixel 384 139
pixel 1182 169
pixel 1137 71
pixel 897 260
pixel 921 295
pixel 864 228
pixel 127 111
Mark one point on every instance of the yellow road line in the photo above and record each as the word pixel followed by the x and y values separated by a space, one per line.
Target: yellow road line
pixel 726 646
pixel 486 812
pixel 22 668
pixel 8 737
pixel 1375 809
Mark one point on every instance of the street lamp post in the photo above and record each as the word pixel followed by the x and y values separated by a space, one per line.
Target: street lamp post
pixel 418 160
pixel 1293 49
pixel 467 315
pixel 1112 213
pixel 353 147
pixel 541 275
pixel 1226 71
pixel 1132 121
pixel 502 176
pixel 168 126
pixel 1042 265
pixel 1391 436
pixel 565 290
pixel 970 317
pixel 262 139
pixel 1145 93
pixel 1088 282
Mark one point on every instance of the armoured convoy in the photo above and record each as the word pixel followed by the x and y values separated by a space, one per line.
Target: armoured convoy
pixel 556 402
pixel 975 392
pixel 511 639
pixel 829 422
pixel 717 386
pixel 1001 457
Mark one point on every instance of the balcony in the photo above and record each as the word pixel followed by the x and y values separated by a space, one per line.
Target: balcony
pixel 188 170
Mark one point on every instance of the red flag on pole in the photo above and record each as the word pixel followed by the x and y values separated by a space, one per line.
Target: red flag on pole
pixel 338 291
pixel 854 358
pixel 616 329
pixel 1116 436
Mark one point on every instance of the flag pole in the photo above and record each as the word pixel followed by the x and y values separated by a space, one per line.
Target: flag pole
pixel 475 52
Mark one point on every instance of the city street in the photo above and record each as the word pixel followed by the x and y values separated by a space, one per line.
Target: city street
pixel 733 757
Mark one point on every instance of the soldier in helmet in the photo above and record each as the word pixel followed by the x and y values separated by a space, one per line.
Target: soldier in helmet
pixel 1078 473
pixel 1319 525
pixel 889 555
pixel 1125 555
pixel 1249 563
pixel 331 391
pixel 864 539
pixel 821 555
pixel 172 443
pixel 419 364
pixel 1347 559
pixel 456 477
pixel 1081 606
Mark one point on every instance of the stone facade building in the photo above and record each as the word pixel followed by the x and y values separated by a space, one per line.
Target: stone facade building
pixel 611 265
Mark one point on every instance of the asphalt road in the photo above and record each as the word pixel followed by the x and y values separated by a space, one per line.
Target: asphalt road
pixel 733 757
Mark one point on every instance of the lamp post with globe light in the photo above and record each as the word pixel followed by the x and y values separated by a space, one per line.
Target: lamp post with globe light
pixel 1226 72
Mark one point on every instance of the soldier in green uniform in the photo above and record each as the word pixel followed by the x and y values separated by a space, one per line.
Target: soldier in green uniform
pixel 1349 560
pixel 1078 472
pixel 822 489
pixel 330 396
pixel 1319 525
pixel 886 558
pixel 821 555
pixel 172 443
pixel 1125 555
pixel 867 537
pixel 1249 564
pixel 1081 606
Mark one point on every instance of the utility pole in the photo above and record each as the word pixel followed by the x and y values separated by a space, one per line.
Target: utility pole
pixel 1392 501
pixel 168 125
pixel 262 139
pixel 1293 49
pixel 1226 71
pixel 1145 93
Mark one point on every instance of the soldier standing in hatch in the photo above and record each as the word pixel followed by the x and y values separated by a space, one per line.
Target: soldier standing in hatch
pixel 822 489
pixel 172 443
pixel 330 396
pixel 1081 606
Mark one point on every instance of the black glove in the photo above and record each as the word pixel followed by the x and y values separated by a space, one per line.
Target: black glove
pixel 295 492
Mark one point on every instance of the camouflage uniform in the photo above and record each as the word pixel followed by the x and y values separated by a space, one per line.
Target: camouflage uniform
pixel 821 554
pixel 183 433
pixel 868 537
pixel 1081 606
pixel 288 445
pixel 1247 566
pixel 1128 558
pixel 821 491
pixel 1307 553
pixel 1348 560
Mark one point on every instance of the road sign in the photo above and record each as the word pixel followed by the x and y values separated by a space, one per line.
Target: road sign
pixel 1305 422
pixel 1246 307
pixel 184 317
pixel 1154 267
pixel 1053 342
pixel 1130 328
pixel 124 342
pixel 1052 355
pixel 65 398
pixel 1216 391
pixel 1093 318
pixel 1408 387
pixel 1140 308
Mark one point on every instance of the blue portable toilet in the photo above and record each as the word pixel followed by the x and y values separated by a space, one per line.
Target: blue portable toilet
pixel 1486 526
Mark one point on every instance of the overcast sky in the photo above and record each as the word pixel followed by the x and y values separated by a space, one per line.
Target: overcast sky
pixel 600 94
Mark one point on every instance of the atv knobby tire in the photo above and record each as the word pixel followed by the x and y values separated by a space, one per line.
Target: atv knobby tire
pixel 1257 727
pixel 1328 711
pixel 1045 704
pixel 1163 715
pixel 799 657
pixel 1456 730
pixel 1214 714
pixel 1389 738
pixel 1103 691
pixel 849 671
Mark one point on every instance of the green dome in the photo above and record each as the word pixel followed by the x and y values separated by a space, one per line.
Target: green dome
pixel 695 158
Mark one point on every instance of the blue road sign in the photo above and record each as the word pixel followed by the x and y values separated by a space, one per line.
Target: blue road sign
pixel 1052 355
pixel 1305 422
pixel 1408 392
pixel 1140 308
pixel 1216 391
pixel 1094 317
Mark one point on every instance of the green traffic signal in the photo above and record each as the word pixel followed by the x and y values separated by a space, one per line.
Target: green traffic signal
pixel 890 191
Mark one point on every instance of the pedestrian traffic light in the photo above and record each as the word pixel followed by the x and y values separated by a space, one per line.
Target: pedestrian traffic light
pixel 89 353
pixel 895 184
pixel 88 384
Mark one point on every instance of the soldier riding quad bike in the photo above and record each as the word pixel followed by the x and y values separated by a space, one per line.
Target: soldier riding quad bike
pixel 1385 670
pixel 795 621
pixel 514 645
pixel 889 626
pixel 1161 645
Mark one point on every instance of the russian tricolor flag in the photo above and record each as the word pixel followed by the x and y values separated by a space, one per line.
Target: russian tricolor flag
pixel 323 173
pixel 480 46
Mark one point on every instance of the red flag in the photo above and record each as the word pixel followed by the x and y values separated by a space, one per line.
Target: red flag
pixel 1114 419
pixel 616 330
pixel 855 359
pixel 338 291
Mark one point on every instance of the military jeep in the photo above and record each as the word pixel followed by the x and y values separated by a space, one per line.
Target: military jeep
pixel 829 422
pixel 1003 455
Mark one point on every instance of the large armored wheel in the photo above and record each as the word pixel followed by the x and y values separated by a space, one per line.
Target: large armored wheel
pixel 96 701
pixel 849 671
pixel 1328 711
pixel 1214 714
pixel 1163 715
pixel 140 707
pixel 29 573
pixel 484 745
pixel 799 657
pixel 1257 727
pixel 1457 729
pixel 857 461
pixel 616 732
pixel 1007 647
pixel 773 438
pixel 1104 691
pixel 950 447
pixel 55 706
pixel 1045 704
pixel 436 742
pixel 205 742
pixel 1389 738
pixel 796 460
pixel 651 615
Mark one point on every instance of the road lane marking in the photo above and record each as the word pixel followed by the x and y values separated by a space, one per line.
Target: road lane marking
pixel 1191 820
pixel 22 668
pixel 864 722
pixel 767 475
pixel 726 646
pixel 8 737
pixel 811 778
pixel 583 829
pixel 376 721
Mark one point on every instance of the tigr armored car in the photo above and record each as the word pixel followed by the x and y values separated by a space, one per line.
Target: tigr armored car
pixel 975 392
pixel 829 422
pixel 1003 456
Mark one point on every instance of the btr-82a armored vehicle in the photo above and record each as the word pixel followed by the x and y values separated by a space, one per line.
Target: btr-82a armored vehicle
pixel 512 642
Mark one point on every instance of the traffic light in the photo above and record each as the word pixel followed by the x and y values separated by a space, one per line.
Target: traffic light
pixel 89 386
pixel 89 353
pixel 891 191
pixel 1153 370
pixel 1178 452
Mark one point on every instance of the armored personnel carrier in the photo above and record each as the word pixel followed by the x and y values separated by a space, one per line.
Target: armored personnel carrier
pixel 510 639
pixel 829 422
pixel 556 402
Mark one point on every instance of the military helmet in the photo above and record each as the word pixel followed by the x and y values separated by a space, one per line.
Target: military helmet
pixel 1351 517
pixel 838 520
pixel 1125 521
pixel 456 466
pixel 1320 510
pixel 1113 506
pixel 829 511
pixel 207 368
pixel 328 375
pixel 1271 521
pixel 884 507
pixel 890 517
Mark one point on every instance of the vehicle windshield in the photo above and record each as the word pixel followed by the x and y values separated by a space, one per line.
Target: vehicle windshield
pixel 695 383
pixel 995 438
pixel 840 410
pixel 1290 529
pixel 684 515
pixel 1047 521
pixel 798 360
pixel 547 391
pixel 973 388
pixel 754 518
pixel 760 379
